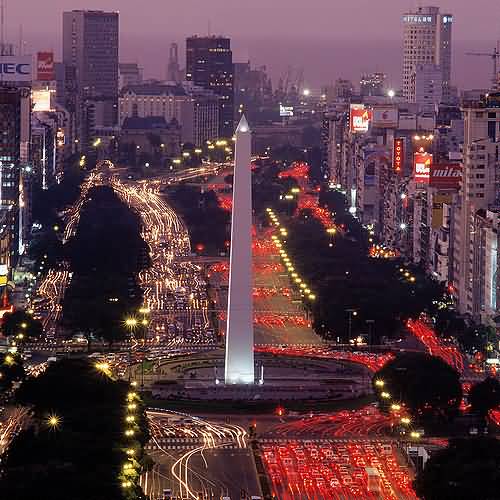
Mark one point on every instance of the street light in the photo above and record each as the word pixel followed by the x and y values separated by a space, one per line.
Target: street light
pixel 351 312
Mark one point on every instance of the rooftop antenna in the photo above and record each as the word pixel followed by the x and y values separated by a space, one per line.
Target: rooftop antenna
pixel 209 34
pixel 21 42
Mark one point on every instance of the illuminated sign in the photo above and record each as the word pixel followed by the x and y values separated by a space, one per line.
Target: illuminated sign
pixel 399 151
pixel 446 175
pixel 286 110
pixel 45 67
pixel 4 270
pixel 15 68
pixel 42 100
pixel 418 19
pixel 422 167
pixel 360 118
pixel 385 117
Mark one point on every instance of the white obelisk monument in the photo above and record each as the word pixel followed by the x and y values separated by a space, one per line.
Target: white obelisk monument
pixel 239 367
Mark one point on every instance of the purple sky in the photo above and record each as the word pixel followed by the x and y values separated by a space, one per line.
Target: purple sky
pixel 328 38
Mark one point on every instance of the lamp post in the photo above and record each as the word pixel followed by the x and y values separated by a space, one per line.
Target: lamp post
pixel 351 312
pixel 131 324
pixel 144 323
pixel 370 323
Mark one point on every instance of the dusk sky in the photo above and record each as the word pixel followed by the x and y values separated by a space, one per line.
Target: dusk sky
pixel 302 32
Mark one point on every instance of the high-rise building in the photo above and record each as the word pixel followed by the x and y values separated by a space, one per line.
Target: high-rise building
pixel 480 191
pixel 14 104
pixel 90 46
pixel 427 40
pixel 373 84
pixel 173 68
pixel 428 87
pixel 209 64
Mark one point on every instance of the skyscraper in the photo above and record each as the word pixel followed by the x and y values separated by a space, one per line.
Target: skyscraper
pixel 90 45
pixel 173 69
pixel 427 40
pixel 209 64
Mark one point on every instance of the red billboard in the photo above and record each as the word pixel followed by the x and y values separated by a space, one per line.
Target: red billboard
pixel 399 155
pixel 422 167
pixel 446 175
pixel 45 67
pixel 360 118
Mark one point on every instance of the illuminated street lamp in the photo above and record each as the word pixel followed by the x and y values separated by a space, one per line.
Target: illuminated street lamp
pixel 53 421
pixel 379 383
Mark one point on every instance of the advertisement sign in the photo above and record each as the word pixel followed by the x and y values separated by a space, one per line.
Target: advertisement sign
pixel 286 110
pixel 45 67
pixel 438 202
pixel 15 69
pixel 399 155
pixel 360 118
pixel 386 117
pixel 42 100
pixel 446 175
pixel 422 167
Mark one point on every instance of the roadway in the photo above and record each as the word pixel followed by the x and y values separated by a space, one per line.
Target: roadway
pixel 196 458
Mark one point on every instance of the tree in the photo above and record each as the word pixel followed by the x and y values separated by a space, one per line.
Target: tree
pixel 11 370
pixel 81 455
pixel 428 387
pixel 21 323
pixel 485 396
pixel 467 469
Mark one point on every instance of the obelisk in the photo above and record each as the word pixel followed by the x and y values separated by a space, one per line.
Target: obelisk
pixel 239 368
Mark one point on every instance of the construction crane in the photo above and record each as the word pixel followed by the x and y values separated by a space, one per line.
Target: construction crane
pixel 495 56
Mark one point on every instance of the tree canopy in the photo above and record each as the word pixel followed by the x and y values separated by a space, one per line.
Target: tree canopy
pixel 428 387
pixel 467 469
pixel 76 445
pixel 485 396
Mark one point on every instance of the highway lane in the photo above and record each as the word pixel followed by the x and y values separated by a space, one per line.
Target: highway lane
pixel 174 288
pixel 195 456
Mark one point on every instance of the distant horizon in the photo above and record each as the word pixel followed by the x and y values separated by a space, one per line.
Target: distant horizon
pixel 338 58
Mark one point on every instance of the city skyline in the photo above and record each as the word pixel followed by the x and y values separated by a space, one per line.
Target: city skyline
pixel 349 52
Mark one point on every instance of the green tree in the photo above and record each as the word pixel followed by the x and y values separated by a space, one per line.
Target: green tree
pixel 468 469
pixel 81 454
pixel 485 396
pixel 428 387
pixel 11 370
pixel 21 323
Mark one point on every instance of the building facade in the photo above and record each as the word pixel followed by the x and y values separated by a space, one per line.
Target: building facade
pixel 427 40
pixel 209 64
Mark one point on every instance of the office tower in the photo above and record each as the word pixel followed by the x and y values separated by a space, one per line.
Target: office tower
pixel 427 40
pixel 239 367
pixel 209 64
pixel 173 68
pixel 373 84
pixel 428 87
pixel 11 104
pixel 90 46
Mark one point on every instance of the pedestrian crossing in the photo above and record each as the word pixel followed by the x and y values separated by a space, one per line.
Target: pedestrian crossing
pixel 185 444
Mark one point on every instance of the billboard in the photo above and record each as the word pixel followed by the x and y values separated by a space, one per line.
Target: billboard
pixel 45 67
pixel 422 167
pixel 286 110
pixel 399 155
pixel 360 118
pixel 16 69
pixel 386 117
pixel 446 175
pixel 438 202
pixel 42 100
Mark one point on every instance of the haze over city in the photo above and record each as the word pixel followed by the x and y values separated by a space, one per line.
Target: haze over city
pixel 327 38
pixel 249 250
